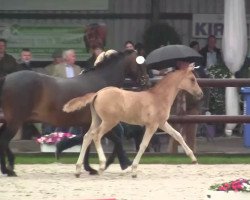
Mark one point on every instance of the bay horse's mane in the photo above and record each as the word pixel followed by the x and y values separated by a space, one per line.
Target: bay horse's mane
pixel 104 62
pixel 111 59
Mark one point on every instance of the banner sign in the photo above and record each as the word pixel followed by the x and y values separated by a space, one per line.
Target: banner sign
pixel 44 38
pixel 54 5
pixel 211 24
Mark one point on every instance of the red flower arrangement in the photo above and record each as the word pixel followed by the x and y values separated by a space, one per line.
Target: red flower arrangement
pixel 53 138
pixel 237 185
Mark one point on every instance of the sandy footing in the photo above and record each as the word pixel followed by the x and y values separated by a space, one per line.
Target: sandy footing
pixel 154 182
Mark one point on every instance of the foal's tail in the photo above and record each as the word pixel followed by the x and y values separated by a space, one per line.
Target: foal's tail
pixel 79 102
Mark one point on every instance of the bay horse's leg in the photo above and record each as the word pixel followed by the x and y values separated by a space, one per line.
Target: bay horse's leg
pixel 11 159
pixel 87 165
pixel 149 132
pixel 115 135
pixel 67 143
pixel 176 135
pixel 138 136
pixel 6 135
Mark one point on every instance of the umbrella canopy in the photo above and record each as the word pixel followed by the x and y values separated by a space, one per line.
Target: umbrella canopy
pixel 167 56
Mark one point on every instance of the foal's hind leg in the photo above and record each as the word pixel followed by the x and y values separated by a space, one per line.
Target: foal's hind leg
pixel 87 140
pixel 85 144
pixel 176 135
pixel 150 130
pixel 102 130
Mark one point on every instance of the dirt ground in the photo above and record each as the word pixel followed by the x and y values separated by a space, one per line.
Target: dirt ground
pixel 154 182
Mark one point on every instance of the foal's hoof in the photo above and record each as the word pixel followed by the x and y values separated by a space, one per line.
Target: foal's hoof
pixel 134 175
pixel 195 162
pixel 77 175
pixel 100 172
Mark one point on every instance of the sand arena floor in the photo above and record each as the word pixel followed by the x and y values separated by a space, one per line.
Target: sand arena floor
pixel 155 182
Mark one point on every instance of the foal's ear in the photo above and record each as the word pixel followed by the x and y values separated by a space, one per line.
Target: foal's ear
pixel 191 66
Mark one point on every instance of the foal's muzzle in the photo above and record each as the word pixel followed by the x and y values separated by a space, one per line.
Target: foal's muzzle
pixel 199 95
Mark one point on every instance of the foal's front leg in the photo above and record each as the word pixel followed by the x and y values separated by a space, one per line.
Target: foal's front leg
pixel 150 130
pixel 177 136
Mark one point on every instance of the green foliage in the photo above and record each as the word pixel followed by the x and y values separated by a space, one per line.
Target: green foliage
pixel 160 34
pixel 71 158
pixel 217 95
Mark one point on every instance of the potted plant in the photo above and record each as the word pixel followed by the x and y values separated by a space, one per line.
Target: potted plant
pixel 48 142
pixel 238 189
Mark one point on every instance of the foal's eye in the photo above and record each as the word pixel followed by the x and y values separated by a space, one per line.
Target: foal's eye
pixel 192 80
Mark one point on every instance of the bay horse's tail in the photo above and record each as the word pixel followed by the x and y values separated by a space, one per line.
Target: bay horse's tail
pixel 79 102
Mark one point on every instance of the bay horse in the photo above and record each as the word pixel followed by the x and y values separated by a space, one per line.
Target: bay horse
pixel 30 96
pixel 150 108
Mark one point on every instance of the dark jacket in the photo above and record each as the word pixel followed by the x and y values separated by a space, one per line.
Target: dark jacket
pixel 90 62
pixel 8 65
pixel 25 66
pixel 204 51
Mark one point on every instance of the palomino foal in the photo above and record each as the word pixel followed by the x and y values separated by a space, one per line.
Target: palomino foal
pixel 151 108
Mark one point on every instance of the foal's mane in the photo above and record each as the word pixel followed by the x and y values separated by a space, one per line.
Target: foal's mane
pixel 168 78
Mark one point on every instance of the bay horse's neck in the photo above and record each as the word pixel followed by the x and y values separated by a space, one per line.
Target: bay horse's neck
pixel 112 74
pixel 167 88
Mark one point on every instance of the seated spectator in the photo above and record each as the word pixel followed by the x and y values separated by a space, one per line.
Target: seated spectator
pixel 57 59
pixel 8 63
pixel 67 68
pixel 25 60
pixel 129 45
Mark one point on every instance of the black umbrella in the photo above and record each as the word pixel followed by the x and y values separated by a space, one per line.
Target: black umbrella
pixel 167 56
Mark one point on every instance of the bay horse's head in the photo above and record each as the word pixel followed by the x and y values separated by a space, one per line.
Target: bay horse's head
pixel 136 68
pixel 189 81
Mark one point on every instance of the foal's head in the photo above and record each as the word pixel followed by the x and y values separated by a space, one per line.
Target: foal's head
pixel 136 68
pixel 189 82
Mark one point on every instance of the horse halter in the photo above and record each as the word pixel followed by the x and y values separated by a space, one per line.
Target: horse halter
pixel 143 80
